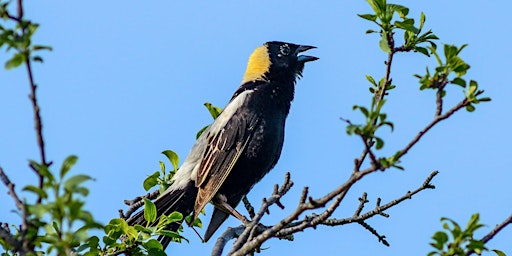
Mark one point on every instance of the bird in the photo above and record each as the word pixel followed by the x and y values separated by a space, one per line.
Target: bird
pixel 242 144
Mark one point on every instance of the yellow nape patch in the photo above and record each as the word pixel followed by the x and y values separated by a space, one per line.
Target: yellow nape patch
pixel 258 65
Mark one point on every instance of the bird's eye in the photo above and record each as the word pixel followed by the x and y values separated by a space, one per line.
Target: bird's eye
pixel 284 50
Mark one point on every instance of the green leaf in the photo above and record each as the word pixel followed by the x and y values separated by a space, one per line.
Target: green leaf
pixel 42 47
pixel 201 131
pixel 151 181
pixel 43 170
pixel 82 191
pixel 499 253
pixel 172 234
pixel 371 80
pixel 378 6
pixel 131 232
pixel 476 245
pixel 38 210
pixel 383 43
pixel 363 110
pixel 370 17
pixel 38 191
pixel 69 162
pixel 173 158
pixel 153 243
pixel 459 81
pixel 37 59
pixel 407 25
pixel 15 61
pixel 214 111
pixel 149 211
pixel 400 9
pixel 55 226
pixel 379 143
pixel 75 181
pixel 422 20
pixel 422 50
pixel 175 217
pixel 440 239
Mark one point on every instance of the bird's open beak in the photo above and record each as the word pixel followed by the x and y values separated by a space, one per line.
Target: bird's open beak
pixel 305 58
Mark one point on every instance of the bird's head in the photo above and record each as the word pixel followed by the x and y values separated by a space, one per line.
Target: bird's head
pixel 276 61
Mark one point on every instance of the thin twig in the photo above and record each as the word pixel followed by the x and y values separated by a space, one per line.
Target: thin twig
pixel 497 229
pixel 435 121
pixel 379 96
pixel 286 227
pixel 19 245
pixel 439 99
pixel 248 206
pixel 362 201
pixel 382 239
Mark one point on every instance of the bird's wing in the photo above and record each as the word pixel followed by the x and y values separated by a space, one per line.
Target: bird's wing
pixel 226 140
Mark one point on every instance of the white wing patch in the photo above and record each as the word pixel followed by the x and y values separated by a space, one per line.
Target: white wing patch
pixel 189 168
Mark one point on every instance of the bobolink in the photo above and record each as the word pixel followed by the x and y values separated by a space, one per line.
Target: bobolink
pixel 242 144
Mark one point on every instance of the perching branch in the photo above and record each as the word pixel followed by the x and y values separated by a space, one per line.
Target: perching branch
pixel 287 228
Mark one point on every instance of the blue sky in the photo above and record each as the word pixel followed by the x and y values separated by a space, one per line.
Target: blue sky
pixel 127 80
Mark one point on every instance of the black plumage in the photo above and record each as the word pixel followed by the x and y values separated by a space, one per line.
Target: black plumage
pixel 242 145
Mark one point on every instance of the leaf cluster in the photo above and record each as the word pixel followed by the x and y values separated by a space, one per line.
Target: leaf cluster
pixel 456 241
pixel 18 37
pixel 58 223
pixel 413 37
pixel 451 70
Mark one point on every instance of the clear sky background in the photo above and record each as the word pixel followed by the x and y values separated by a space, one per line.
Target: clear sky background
pixel 127 80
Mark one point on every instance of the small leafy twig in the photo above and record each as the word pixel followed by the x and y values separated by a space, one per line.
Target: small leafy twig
pixel 137 203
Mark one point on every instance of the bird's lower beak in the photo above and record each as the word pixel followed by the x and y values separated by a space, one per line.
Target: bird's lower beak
pixel 305 58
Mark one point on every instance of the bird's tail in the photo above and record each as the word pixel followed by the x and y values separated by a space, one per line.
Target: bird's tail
pixel 218 217
pixel 180 199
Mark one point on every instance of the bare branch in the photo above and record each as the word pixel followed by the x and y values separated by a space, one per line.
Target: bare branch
pixel 362 201
pixel 248 207
pixel 287 227
pixel 20 245
pixel 497 229
pixel 382 239
pixel 439 100
pixel 435 121
pixel 230 233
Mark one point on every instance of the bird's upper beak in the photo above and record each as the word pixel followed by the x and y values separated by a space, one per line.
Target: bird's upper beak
pixel 305 58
